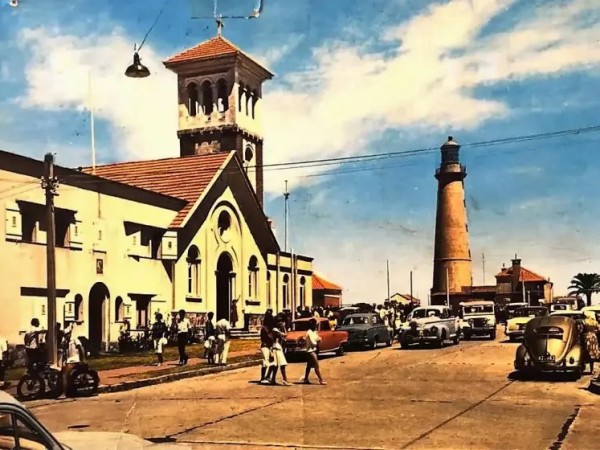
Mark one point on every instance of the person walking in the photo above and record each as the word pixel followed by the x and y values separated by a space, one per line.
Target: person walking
pixel 159 331
pixel 312 344
pixel 234 312
pixel 279 333
pixel 223 331
pixel 183 330
pixel 33 344
pixel 266 344
pixel 209 334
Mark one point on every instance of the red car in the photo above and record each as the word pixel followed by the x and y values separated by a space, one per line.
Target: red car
pixel 331 341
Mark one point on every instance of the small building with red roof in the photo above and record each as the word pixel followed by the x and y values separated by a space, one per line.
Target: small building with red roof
pixel 137 238
pixel 325 293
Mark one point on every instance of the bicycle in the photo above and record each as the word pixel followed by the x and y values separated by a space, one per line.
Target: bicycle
pixel 39 381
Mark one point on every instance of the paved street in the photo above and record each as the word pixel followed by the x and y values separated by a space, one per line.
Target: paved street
pixel 455 398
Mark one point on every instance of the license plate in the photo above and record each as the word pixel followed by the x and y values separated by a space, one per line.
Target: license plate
pixel 548 358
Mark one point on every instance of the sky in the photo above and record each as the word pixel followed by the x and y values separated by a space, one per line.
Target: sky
pixel 352 78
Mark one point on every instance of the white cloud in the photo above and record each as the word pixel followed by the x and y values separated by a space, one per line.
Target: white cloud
pixel 272 55
pixel 345 95
pixel 142 112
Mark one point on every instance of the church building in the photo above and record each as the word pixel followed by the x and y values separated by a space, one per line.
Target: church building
pixel 136 238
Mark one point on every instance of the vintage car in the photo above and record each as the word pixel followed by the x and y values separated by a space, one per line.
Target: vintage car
pixel 331 340
pixel 515 327
pixel 19 429
pixel 560 307
pixel 366 330
pixel 478 319
pixel 588 316
pixel 430 324
pixel 551 344
pixel 512 307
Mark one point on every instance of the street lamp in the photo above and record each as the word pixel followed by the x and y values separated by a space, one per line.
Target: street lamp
pixel 137 69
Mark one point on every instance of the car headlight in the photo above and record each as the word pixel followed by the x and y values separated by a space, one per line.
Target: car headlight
pixel 486 320
pixel 470 322
pixel 301 341
pixel 433 330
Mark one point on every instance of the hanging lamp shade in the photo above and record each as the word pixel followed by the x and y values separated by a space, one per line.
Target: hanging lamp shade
pixel 137 69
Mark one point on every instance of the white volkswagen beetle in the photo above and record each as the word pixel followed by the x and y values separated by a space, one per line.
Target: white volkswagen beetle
pixel 19 429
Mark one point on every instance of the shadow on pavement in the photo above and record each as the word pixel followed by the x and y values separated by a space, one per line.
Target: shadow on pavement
pixel 541 377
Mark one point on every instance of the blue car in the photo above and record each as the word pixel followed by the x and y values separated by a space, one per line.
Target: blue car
pixel 366 330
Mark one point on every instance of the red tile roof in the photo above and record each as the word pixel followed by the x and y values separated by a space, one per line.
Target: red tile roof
pixel 217 46
pixel 525 275
pixel 184 178
pixel 319 283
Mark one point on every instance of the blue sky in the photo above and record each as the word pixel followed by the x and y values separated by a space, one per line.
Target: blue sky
pixel 352 78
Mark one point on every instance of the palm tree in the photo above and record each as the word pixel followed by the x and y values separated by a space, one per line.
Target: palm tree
pixel 586 284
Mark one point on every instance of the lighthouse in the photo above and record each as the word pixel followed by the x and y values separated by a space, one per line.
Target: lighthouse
pixel 452 255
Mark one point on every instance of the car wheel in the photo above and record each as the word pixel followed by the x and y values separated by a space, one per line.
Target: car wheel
pixel 404 344
pixel 467 336
pixel 375 342
pixel 341 350
pixel 493 335
pixel 456 339
pixel 388 343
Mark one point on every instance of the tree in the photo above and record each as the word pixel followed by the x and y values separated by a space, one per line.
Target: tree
pixel 586 284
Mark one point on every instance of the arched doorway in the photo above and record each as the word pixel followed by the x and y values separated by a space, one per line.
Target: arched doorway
pixel 96 315
pixel 225 280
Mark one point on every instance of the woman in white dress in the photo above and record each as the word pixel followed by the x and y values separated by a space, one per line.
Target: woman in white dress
pixel 279 333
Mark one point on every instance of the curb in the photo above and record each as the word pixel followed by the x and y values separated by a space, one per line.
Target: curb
pixel 129 385
pixel 594 387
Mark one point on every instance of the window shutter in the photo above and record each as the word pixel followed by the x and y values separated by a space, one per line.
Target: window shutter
pixel 168 246
pixel 134 246
pixel 69 312
pixel 99 237
pixel 13 222
pixel 76 235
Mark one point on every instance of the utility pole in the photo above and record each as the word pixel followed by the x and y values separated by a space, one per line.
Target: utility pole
pixel 411 287
pixel 388 279
pixel 447 287
pixel 483 263
pixel 286 196
pixel 50 184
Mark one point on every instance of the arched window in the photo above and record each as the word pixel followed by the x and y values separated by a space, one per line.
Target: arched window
pixel 193 278
pixel 223 95
pixel 192 95
pixel 253 277
pixel 302 292
pixel 248 102
pixel 285 291
pixel 254 101
pixel 207 98
pixel 240 96
pixel 78 307
pixel 119 310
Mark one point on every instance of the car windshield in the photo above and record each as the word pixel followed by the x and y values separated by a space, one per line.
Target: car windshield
pixel 560 307
pixel 356 320
pixel 300 325
pixel 572 316
pixel 526 312
pixel 478 309
pixel 422 313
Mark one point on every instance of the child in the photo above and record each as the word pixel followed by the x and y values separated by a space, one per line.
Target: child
pixel 210 348
pixel 159 347
pixel 312 346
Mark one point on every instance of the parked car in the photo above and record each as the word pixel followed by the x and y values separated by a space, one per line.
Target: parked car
pixel 19 429
pixel 366 330
pixel 478 318
pixel 512 307
pixel 430 324
pixel 551 344
pixel 331 340
pixel 515 327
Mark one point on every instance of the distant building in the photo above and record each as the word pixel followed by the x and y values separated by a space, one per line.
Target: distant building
pixel 520 284
pixel 325 293
pixel 405 299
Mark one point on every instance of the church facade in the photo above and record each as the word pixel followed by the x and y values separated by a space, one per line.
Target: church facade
pixel 142 237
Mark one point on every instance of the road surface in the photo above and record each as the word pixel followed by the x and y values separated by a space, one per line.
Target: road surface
pixel 457 397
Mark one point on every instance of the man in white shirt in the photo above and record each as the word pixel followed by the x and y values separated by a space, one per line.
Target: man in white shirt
pixel 223 332
pixel 33 340
pixel 183 330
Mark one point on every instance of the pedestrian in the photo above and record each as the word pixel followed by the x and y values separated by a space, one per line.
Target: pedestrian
pixel 33 344
pixel 279 333
pixel 159 346
pixel 223 332
pixel 159 331
pixel 312 345
pixel 76 355
pixel 3 362
pixel 183 330
pixel 234 312
pixel 209 332
pixel 266 344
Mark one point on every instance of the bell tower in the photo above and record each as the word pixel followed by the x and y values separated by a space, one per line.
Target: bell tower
pixel 452 255
pixel 220 98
